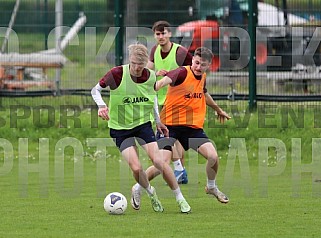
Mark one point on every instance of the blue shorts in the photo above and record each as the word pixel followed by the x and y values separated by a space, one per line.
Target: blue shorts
pixel 188 137
pixel 144 134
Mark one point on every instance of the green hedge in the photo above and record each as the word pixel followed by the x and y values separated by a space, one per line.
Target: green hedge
pixel 32 15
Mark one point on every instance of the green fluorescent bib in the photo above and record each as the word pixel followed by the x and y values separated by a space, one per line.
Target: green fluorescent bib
pixel 131 104
pixel 169 63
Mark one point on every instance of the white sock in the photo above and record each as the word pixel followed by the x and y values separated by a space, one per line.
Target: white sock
pixel 211 184
pixel 149 190
pixel 178 194
pixel 138 187
pixel 178 165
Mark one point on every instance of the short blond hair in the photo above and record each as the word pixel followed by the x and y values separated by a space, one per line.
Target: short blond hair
pixel 139 51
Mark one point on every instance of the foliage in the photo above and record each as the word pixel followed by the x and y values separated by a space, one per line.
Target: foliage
pixel 34 17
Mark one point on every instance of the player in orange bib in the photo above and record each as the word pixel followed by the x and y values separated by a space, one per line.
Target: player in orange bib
pixel 184 113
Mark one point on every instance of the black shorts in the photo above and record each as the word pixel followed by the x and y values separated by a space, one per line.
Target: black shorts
pixel 144 134
pixel 188 137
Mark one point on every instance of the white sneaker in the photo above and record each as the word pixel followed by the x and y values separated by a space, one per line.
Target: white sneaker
pixel 221 197
pixel 135 198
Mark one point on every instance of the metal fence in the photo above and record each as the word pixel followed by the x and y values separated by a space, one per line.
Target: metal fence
pixel 287 44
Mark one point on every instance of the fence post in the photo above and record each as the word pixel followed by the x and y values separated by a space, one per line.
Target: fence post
pixel 59 24
pixel 119 22
pixel 252 63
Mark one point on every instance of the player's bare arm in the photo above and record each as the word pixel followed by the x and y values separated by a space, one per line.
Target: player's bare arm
pixel 221 115
pixel 161 128
pixel 162 83
pixel 161 72
pixel 103 112
pixel 150 65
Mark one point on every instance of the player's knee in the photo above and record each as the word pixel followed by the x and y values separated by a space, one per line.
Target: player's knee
pixel 212 160
pixel 137 170
pixel 159 163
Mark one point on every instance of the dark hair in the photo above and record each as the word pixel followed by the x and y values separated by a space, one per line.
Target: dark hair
pixel 204 53
pixel 161 26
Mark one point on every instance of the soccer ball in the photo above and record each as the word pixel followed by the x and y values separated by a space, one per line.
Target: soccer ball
pixel 115 203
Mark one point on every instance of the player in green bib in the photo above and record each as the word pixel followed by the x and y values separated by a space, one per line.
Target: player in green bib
pixel 131 104
pixel 129 114
pixel 168 63
pixel 164 57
